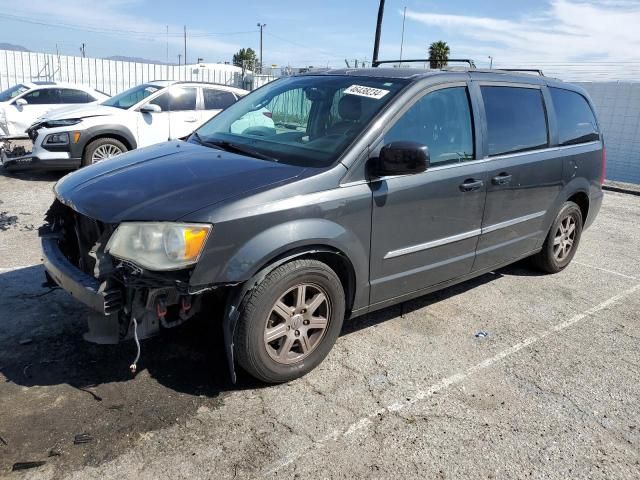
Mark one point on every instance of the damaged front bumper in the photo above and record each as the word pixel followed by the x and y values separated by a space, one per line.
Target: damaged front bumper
pixel 86 289
pixel 74 257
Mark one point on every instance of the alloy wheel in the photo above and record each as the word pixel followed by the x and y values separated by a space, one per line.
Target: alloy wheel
pixel 297 323
pixel 105 151
pixel 564 238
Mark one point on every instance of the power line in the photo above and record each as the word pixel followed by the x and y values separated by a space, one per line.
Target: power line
pixel 93 29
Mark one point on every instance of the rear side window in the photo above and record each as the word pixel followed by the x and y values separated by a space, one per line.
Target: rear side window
pixel 68 95
pixel 217 99
pixel 576 121
pixel 176 99
pixel 441 120
pixel 44 96
pixel 516 119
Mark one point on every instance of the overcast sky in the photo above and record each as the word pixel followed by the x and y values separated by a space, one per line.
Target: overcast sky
pixel 594 38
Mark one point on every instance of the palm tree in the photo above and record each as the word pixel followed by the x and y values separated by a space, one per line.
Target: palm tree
pixel 438 54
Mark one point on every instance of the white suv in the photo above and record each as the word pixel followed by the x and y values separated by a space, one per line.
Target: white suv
pixel 23 103
pixel 141 116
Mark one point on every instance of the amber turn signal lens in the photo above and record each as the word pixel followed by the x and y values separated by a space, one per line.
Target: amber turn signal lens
pixel 76 137
pixel 194 241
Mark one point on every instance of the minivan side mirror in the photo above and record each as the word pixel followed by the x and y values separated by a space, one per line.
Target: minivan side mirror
pixel 150 108
pixel 400 158
pixel 21 102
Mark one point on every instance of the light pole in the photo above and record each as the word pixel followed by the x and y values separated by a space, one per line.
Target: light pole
pixel 490 62
pixel 261 26
pixel 376 42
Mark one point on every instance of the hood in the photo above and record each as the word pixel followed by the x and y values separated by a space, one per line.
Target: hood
pixel 166 182
pixel 80 111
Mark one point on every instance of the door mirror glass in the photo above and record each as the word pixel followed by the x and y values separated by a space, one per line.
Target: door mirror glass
pixel 401 158
pixel 150 108
pixel 21 102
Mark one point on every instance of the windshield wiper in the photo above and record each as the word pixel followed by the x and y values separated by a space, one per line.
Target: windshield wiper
pixel 235 147
pixel 198 138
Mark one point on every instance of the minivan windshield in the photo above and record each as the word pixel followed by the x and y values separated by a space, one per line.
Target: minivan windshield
pixel 129 98
pixel 306 120
pixel 13 92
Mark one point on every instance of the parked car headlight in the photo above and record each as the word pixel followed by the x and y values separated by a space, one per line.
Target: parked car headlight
pixel 62 123
pixel 57 139
pixel 159 246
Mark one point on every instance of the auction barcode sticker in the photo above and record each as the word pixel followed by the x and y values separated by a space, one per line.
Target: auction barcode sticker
pixel 369 92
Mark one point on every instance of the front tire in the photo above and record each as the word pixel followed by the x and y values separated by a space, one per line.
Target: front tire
pixel 102 149
pixel 562 240
pixel 290 321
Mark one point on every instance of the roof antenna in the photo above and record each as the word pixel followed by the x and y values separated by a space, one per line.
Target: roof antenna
pixel 376 44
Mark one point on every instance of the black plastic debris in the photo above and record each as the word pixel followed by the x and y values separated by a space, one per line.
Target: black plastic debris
pixel 82 438
pixel 26 465
pixel 482 334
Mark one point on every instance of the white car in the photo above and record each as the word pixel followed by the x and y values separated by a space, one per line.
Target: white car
pixel 22 104
pixel 141 116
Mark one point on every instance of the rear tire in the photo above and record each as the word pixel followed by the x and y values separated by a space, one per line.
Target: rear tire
pixel 562 240
pixel 290 321
pixel 102 149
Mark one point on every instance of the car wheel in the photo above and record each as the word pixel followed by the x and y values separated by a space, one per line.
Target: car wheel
pixel 290 321
pixel 562 240
pixel 102 149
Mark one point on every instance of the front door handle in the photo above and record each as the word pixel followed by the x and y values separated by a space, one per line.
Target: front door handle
pixel 471 185
pixel 502 179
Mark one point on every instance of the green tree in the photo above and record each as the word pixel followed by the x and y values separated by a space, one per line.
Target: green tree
pixel 438 54
pixel 245 58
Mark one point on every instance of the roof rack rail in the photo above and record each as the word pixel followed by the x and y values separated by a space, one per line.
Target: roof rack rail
pixel 524 70
pixel 470 62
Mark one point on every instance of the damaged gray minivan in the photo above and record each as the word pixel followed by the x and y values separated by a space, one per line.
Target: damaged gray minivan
pixel 372 187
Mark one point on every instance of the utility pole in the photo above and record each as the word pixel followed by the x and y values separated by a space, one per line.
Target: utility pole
pixel 404 17
pixel 376 44
pixel 185 44
pixel 490 62
pixel 261 26
pixel 82 50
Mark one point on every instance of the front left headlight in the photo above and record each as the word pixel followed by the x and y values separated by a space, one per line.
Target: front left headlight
pixel 67 122
pixel 159 245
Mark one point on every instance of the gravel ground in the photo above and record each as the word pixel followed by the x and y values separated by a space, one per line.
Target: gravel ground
pixel 411 392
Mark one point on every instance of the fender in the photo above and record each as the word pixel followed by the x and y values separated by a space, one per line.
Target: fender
pixel 94 132
pixel 234 305
pixel 250 257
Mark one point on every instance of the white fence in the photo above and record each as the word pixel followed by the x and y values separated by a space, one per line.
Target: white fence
pixel 618 106
pixel 112 76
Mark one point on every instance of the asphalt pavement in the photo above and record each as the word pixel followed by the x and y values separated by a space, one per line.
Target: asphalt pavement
pixel 514 374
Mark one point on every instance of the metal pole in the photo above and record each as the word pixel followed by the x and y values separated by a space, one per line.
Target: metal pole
pixel 404 17
pixel 490 62
pixel 185 44
pixel 376 44
pixel 167 43
pixel 261 25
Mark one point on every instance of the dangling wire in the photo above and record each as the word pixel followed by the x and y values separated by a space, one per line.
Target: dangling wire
pixel 134 366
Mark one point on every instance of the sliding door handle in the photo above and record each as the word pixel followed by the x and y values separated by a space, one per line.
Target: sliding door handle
pixel 502 179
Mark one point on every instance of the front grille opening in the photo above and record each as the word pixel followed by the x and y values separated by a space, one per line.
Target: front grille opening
pixel 78 235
